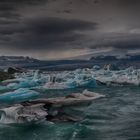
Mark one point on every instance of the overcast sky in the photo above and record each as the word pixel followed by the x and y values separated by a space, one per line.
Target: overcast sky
pixel 64 29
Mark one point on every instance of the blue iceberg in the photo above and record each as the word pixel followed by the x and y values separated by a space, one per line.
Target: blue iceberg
pixel 21 84
pixel 19 95
pixel 77 82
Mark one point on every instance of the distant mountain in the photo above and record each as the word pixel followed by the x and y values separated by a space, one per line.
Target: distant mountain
pixel 16 58
pixel 16 61
pixel 104 58
pixel 53 65
pixel 133 57
pixel 114 58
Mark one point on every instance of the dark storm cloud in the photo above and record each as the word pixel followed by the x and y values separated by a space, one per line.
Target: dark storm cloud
pixel 7 21
pixel 128 2
pixel 6 7
pixel 120 42
pixel 42 33
pixel 22 2
pixel 9 8
pixel 124 44
pixel 31 25
pixel 127 44
pixel 8 11
pixel 19 32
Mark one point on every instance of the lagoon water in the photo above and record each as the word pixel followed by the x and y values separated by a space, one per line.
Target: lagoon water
pixel 115 117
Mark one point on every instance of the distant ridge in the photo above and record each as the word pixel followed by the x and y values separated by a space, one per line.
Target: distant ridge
pixel 113 58
pixel 17 58
pixel 55 65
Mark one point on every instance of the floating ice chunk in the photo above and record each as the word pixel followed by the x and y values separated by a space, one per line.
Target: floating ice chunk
pixel 70 100
pixel 23 114
pixel 20 84
pixel 96 67
pixel 70 84
pixel 129 76
pixel 21 94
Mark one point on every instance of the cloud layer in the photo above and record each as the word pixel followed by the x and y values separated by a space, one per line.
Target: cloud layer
pixel 42 27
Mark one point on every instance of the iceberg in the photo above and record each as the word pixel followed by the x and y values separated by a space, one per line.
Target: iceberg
pixel 23 114
pixel 79 78
pixel 70 100
pixel 128 76
pixel 19 95
pixel 22 84
pixel 81 83
pixel 49 109
pixel 96 67
pixel 77 82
